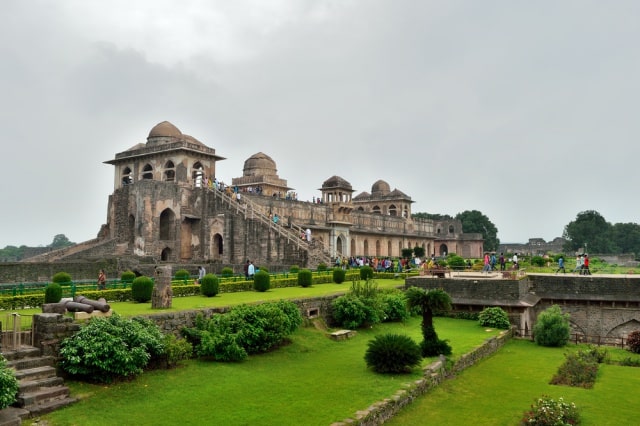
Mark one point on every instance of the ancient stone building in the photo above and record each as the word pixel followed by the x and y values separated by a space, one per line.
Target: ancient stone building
pixel 165 208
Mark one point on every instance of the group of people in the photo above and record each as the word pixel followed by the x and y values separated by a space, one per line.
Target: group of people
pixel 582 265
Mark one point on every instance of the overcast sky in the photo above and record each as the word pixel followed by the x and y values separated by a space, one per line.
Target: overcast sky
pixel 522 110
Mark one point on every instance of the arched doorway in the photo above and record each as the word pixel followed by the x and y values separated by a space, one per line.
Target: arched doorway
pixel 353 247
pixel 167 225
pixel 340 245
pixel 443 250
pixel 165 256
pixel 218 248
pixel 366 248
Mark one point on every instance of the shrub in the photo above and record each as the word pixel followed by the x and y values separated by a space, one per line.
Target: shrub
pixel 52 293
pixel 349 311
pixel 321 267
pixel 578 370
pixel 141 289
pixel 209 285
pixel 494 317
pixel 633 341
pixel 261 281
pixel 339 275
pixel 394 305
pixel 262 268
pixel 294 269
pixel 305 278
pixel 366 272
pixel 392 353
pixel 8 385
pixel 110 347
pixel 61 278
pixel 176 350
pixel 226 272
pixel 457 263
pixel 182 274
pixel 538 261
pixel 548 412
pixel 552 327
pixel 128 276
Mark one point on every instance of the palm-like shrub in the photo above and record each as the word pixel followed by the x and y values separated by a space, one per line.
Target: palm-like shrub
pixel 261 281
pixel 305 278
pixel 52 293
pixel 366 272
pixel 209 285
pixel 494 317
pixel 61 278
pixel 141 289
pixel 552 328
pixel 429 302
pixel 633 341
pixel 339 275
pixel 8 385
pixel 110 347
pixel 392 353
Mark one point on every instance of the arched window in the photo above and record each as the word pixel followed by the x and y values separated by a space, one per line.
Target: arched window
pixel 166 254
pixel 167 225
pixel 376 209
pixel 127 179
pixel 392 210
pixel 147 172
pixel 169 171
pixel 451 230
pixel 366 248
pixel 360 209
pixel 197 174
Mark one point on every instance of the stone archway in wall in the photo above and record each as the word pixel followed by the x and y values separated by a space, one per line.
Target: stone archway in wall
pixel 165 255
pixel 340 245
pixel 186 232
pixel 623 330
pixel 167 225
pixel 389 252
pixel 443 250
pixel 217 249
pixel 377 248
pixel 353 247
pixel 365 248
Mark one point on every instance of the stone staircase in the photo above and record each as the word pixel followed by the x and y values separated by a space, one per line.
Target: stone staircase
pixel 40 389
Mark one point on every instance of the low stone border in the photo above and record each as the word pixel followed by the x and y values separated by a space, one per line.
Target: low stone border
pixel 433 375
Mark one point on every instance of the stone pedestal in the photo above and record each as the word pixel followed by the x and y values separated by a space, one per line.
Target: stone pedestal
pixel 162 293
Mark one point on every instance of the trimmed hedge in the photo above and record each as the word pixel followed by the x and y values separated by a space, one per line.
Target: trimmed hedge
pixel 261 281
pixel 141 289
pixel 305 278
pixel 52 293
pixel 209 285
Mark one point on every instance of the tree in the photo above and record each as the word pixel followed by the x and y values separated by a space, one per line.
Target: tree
pixel 418 251
pixel 431 301
pixel 474 221
pixel 431 216
pixel 626 238
pixel 60 241
pixel 591 232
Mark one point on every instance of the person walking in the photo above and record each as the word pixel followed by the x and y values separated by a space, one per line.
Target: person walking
pixel 585 266
pixel 579 263
pixel 561 265
pixel 201 273
pixel 251 270
pixel 102 280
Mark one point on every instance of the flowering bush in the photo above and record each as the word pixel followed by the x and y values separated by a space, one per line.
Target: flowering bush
pixel 633 341
pixel 546 411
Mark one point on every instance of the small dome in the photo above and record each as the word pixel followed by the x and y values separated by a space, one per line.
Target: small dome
pixel 380 187
pixel 259 164
pixel 164 129
pixel 336 182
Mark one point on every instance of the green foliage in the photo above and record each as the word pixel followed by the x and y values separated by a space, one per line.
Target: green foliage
pixel 418 251
pixel 432 345
pixel 392 353
pixel 494 317
pixel 407 253
pixel 394 305
pixel 141 289
pixel 430 302
pixel 305 278
pixel 110 347
pixel 349 311
pixel 456 263
pixel 475 222
pixel 321 267
pixel 633 341
pixel 61 278
pixel 261 281
pixel 262 268
pixel 182 274
pixel 538 261
pixel 579 370
pixel 8 385
pixel 589 231
pixel 546 411
pixel 52 293
pixel 366 272
pixel 339 275
pixel 294 269
pixel 245 330
pixel 60 241
pixel 176 350
pixel 226 272
pixel 209 285
pixel 128 276
pixel 552 327
pixel 362 306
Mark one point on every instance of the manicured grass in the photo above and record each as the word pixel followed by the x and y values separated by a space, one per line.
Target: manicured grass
pixel 499 389
pixel 312 381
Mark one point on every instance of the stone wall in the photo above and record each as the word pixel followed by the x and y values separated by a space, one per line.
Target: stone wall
pixel 22 272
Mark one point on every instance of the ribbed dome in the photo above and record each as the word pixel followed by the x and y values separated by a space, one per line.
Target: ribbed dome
pixel 164 129
pixel 259 164
pixel 380 187
pixel 336 182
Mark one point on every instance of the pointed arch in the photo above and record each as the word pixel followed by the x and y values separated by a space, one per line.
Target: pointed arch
pixel 393 211
pixel 147 172
pixel 167 229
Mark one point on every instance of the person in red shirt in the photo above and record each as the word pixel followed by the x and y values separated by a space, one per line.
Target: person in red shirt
pixel 585 266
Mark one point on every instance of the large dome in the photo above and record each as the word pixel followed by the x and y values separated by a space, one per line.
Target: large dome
pixel 336 182
pixel 164 129
pixel 259 164
pixel 380 187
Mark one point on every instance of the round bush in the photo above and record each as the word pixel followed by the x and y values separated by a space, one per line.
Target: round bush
pixel 494 317
pixel 350 312
pixel 141 289
pixel 128 276
pixel 321 267
pixel 182 274
pixel 366 272
pixel 209 285
pixel 552 327
pixel 261 281
pixel 392 353
pixel 61 278
pixel 339 275
pixel 394 305
pixel 294 269
pixel 8 385
pixel 457 263
pixel 262 268
pixel 305 277
pixel 538 261
pixel 633 341
pixel 226 272
pixel 52 293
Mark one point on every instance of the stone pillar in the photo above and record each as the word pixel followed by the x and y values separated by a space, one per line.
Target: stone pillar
pixel 162 293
